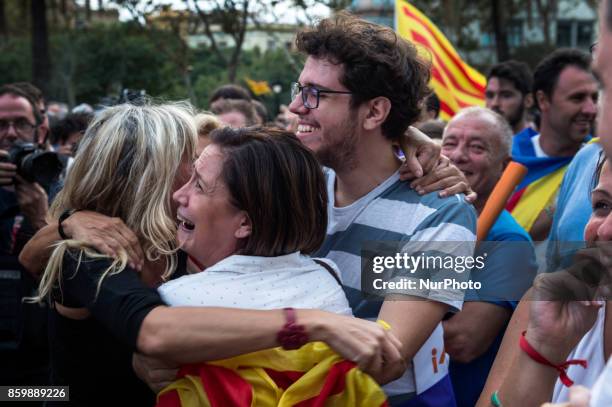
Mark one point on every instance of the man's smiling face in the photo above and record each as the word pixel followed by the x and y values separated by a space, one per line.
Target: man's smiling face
pixel 330 130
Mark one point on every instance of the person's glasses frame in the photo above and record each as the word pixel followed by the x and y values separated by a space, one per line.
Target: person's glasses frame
pixel 21 126
pixel 308 92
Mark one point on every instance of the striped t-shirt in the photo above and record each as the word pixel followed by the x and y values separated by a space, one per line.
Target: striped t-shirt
pixel 395 212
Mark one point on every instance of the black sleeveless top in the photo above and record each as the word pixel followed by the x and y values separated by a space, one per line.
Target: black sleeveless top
pixel 94 356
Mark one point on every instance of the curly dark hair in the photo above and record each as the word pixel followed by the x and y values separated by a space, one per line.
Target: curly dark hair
pixel 376 63
pixel 518 73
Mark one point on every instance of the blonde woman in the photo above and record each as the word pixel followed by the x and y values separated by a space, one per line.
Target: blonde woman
pixel 132 159
pixel 129 161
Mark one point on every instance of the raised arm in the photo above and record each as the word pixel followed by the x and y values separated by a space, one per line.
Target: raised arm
pixel 428 169
pixel 137 315
pixel 446 178
pixel 107 235
pixel 215 333
pixel 36 252
pixel 556 325
pixel 188 334
pixel 508 350
pixel 421 154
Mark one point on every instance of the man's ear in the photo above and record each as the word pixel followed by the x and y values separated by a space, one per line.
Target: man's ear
pixel 41 134
pixel 543 100
pixel 528 100
pixel 377 112
pixel 245 228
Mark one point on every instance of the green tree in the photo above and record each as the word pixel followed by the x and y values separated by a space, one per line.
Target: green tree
pixel 15 60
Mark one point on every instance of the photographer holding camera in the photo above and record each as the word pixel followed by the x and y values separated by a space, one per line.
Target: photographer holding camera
pixel 28 179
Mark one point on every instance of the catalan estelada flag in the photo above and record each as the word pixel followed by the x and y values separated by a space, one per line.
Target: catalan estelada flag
pixel 258 87
pixel 540 187
pixel 457 84
pixel 313 375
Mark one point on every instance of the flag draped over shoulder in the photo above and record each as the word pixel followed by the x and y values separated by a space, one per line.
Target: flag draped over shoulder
pixel 457 84
pixel 539 188
pixel 313 375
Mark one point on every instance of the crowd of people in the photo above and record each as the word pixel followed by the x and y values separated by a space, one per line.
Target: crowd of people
pixel 146 243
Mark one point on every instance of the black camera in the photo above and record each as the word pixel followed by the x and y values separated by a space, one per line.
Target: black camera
pixel 35 164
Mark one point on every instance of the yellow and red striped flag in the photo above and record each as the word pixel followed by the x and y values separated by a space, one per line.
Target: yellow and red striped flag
pixel 258 87
pixel 457 84
pixel 312 376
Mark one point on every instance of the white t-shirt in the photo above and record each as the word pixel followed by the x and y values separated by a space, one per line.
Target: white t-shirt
pixel 535 140
pixel 591 348
pixel 601 395
pixel 252 282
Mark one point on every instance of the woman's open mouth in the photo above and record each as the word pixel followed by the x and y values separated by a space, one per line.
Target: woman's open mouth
pixel 184 223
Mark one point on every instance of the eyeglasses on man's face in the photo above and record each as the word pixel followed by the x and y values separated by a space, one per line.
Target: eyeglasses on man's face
pixel 21 126
pixel 310 94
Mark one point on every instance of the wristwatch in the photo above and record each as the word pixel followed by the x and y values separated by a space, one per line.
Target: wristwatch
pixel 292 335
pixel 65 215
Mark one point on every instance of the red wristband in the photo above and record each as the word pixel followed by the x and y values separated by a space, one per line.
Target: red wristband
pixel 561 368
pixel 292 335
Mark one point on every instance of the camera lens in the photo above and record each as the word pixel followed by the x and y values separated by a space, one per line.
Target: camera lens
pixel 39 166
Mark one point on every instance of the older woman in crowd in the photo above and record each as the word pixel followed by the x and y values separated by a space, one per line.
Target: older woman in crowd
pixel 250 259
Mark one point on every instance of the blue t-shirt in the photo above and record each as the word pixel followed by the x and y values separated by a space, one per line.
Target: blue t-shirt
pixel 573 207
pixel 503 265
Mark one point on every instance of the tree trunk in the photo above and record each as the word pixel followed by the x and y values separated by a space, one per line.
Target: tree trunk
pixel 88 10
pixel 70 92
pixel 547 12
pixel 3 29
pixel 53 8
pixel 232 68
pixel 239 40
pixel 41 64
pixel 100 5
pixel 189 86
pixel 499 28
pixel 23 14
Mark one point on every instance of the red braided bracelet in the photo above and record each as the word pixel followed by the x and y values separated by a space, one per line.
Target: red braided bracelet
pixel 561 368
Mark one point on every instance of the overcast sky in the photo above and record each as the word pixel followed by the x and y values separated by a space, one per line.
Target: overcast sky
pixel 284 13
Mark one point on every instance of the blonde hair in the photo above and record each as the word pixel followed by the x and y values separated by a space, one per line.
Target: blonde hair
pixel 206 122
pixel 125 168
